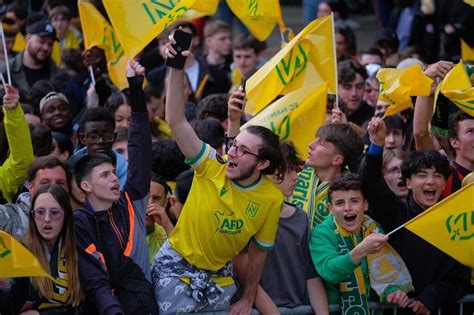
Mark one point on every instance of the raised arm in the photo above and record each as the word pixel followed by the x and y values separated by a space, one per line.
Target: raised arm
pixel 139 143
pixel 424 106
pixel 235 109
pixel 384 204
pixel 182 132
pixel 14 170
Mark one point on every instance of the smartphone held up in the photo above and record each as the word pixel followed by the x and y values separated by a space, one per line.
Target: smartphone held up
pixel 183 42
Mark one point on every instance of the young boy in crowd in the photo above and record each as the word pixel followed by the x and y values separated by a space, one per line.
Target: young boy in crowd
pixel 336 146
pixel 218 40
pixel 290 260
pixel 396 132
pixel 349 250
pixel 164 208
pixel 158 224
pixel 97 133
pixel 246 51
pixel 442 281
pixel 114 266
pixel 460 130
pixel 351 82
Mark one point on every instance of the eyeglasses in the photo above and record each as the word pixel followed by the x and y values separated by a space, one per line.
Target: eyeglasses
pixel 240 150
pixel 55 214
pixel 106 137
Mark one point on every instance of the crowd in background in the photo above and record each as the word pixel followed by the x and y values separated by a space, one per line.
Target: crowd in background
pixel 131 198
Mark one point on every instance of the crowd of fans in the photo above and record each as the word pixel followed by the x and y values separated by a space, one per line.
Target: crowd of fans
pixel 152 200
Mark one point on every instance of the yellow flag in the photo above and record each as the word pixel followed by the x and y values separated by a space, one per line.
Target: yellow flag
pixel 467 52
pixel 296 117
pixel 137 23
pixel 260 16
pixel 397 86
pixel 457 87
pixel 200 9
pixel 98 32
pixel 20 43
pixel 470 72
pixel 449 225
pixel 17 261
pixel 307 59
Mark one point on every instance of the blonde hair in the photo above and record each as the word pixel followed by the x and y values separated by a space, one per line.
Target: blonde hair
pixel 389 154
pixel 36 245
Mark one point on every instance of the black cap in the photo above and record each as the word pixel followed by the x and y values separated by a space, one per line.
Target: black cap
pixel 389 36
pixel 42 28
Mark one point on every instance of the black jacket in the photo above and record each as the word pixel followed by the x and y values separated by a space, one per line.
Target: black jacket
pixel 114 264
pixel 439 280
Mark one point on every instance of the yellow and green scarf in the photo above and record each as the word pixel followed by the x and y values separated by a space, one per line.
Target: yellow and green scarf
pixel 311 195
pixel 385 269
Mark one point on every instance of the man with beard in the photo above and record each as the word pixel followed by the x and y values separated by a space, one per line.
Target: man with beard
pixel 442 281
pixel 230 203
pixel 35 62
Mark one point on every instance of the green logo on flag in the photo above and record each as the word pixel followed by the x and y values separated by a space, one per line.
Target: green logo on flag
pixel 157 9
pixel 461 227
pixel 293 66
pixel 283 130
pixel 109 39
pixel 4 251
pixel 252 6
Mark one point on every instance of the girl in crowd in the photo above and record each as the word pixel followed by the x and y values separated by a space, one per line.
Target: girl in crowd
pixel 52 240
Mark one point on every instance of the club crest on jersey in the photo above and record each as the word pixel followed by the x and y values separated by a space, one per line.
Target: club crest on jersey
pixel 252 209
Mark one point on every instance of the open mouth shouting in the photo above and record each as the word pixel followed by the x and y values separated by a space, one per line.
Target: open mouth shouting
pixel 430 195
pixel 116 189
pixel 231 164
pixel 350 219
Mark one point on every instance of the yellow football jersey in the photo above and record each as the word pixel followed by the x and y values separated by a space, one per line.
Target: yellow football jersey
pixel 220 216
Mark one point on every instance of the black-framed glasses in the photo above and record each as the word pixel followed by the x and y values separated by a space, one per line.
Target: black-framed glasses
pixel 55 214
pixel 106 137
pixel 240 150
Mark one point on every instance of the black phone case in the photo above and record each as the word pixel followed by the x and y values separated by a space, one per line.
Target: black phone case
pixel 183 41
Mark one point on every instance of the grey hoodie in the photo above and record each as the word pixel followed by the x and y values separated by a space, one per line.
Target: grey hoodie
pixel 14 217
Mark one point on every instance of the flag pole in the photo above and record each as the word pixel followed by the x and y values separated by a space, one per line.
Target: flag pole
pixel 5 54
pixel 398 228
pixel 3 82
pixel 335 60
pixel 91 73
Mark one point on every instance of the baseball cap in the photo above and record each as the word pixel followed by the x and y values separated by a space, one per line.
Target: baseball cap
pixel 42 28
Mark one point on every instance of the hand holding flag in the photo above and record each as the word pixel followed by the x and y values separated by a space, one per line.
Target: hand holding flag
pixel 449 225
